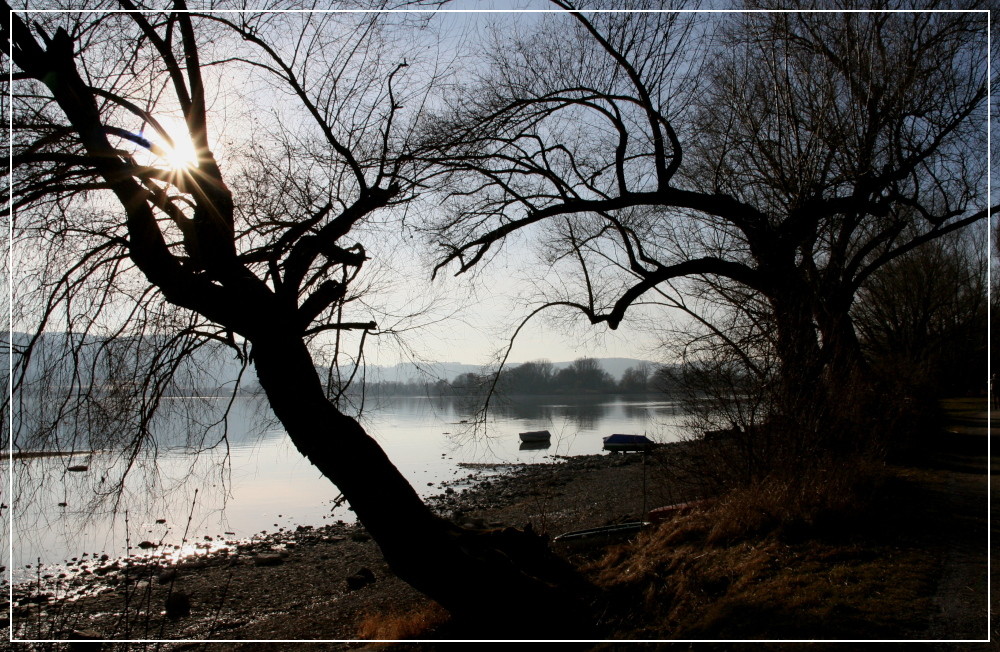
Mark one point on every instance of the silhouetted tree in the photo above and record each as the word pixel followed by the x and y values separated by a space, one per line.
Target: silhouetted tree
pixel 635 379
pixel 259 249
pixel 801 154
pixel 584 376
pixel 922 319
pixel 468 383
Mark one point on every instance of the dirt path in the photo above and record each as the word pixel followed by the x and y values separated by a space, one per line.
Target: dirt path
pixel 968 471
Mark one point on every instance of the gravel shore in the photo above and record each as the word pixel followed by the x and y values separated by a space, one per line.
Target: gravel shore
pixel 331 583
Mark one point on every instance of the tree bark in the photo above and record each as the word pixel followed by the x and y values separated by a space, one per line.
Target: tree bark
pixel 823 400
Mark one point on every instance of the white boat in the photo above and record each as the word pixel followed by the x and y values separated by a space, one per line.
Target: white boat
pixel 535 435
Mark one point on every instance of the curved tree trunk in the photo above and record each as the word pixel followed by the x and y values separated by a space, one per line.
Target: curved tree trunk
pixel 860 429
pixel 474 576
pixel 478 577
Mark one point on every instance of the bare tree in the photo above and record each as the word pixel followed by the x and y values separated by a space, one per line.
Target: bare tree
pixel 921 319
pixel 783 156
pixel 135 230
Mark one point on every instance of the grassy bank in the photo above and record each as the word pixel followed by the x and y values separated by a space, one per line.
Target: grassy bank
pixel 874 560
pixel 869 574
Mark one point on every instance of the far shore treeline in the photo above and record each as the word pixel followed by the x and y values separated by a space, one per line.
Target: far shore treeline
pixel 213 371
pixel 584 376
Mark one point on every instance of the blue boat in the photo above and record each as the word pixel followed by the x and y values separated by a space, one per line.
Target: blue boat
pixel 625 443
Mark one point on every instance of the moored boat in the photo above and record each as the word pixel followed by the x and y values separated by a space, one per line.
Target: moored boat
pixel 623 443
pixel 535 435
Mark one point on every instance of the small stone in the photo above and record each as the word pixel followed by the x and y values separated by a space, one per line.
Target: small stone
pixel 146 545
pixel 178 605
pixel 85 635
pixel 268 559
pixel 361 579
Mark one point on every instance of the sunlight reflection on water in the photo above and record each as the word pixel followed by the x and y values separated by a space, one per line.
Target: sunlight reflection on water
pixel 266 485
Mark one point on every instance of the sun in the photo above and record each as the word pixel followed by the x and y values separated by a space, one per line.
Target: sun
pixel 174 149
pixel 181 156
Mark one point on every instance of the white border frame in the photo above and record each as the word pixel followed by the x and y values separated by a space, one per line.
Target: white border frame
pixel 10 313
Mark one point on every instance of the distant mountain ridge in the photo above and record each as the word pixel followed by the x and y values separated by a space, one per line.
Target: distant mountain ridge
pixel 71 359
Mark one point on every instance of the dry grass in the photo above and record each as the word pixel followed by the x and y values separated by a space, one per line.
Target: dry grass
pixel 825 500
pixel 400 626
pixel 768 565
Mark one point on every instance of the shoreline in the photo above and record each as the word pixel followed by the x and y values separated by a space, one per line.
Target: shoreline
pixel 330 583
pixel 232 589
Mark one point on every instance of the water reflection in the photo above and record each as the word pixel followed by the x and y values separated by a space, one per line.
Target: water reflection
pixel 250 478
pixel 585 412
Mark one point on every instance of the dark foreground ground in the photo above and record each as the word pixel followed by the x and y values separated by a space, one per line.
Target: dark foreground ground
pixel 913 567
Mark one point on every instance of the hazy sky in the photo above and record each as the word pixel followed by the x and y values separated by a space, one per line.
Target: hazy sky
pixel 471 318
pixel 482 330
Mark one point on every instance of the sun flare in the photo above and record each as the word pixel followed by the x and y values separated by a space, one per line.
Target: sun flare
pixel 175 149
pixel 181 156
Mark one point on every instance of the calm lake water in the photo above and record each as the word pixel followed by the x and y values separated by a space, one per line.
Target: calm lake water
pixel 261 483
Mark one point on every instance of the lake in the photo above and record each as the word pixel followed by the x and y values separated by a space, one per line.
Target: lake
pixel 259 482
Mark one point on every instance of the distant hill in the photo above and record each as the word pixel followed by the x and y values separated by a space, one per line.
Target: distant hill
pixel 72 359
pixel 217 367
